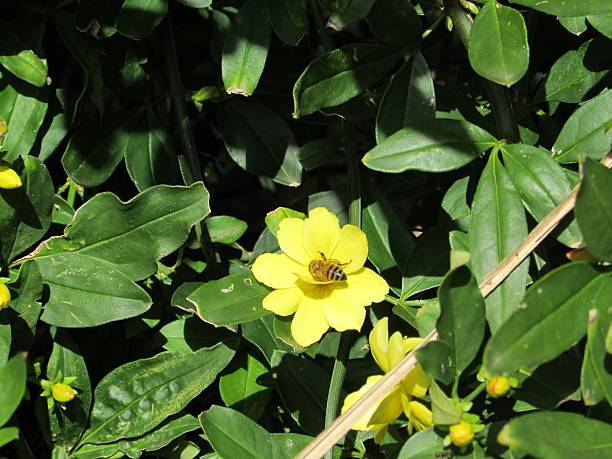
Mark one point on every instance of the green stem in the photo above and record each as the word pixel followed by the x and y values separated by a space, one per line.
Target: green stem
pixel 472 395
pixel 72 189
pixel 346 338
pixel 505 118
pixel 432 27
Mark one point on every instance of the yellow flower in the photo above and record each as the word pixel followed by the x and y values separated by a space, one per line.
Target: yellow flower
pixel 5 296
pixel 461 434
pixel 498 386
pixel 62 392
pixel 387 353
pixel 9 178
pixel 298 288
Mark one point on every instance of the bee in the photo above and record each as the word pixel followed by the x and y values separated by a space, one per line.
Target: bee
pixel 325 270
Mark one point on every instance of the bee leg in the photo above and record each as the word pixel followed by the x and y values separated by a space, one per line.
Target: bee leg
pixel 322 255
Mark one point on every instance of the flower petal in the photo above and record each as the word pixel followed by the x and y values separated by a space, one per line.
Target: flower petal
pixel 276 270
pixel 395 349
pixel 309 324
pixel 283 302
pixel 353 397
pixel 368 286
pixel 290 240
pixel 416 382
pixel 411 343
pixel 379 341
pixel 321 233
pixel 9 178
pixel 389 408
pixel 352 248
pixel 418 415
pixel 341 310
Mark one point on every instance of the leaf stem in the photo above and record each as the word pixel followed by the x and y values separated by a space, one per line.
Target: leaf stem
pixel 472 395
pixel 505 118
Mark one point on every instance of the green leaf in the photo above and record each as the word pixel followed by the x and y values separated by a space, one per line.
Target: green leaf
pixel 289 20
pixel 95 150
pixel 135 233
pixel 302 385
pixel 595 380
pixel 6 337
pixel 261 333
pixel 422 445
pixel 542 184
pixel 576 25
pixel 594 209
pixel 25 64
pixel 233 300
pixel 138 18
pixel 602 23
pixel 260 142
pixel 498 47
pixel 389 242
pixel 149 156
pixel 551 319
pixel 25 212
pixel 196 3
pixel 166 432
pixel 409 98
pixel 23 107
pixel 344 13
pixel 558 435
pixel 569 7
pixel 427 264
pixel 497 227
pixel 437 145
pixel 461 309
pixel 189 334
pixel 395 22
pixel 341 74
pixel 136 397
pixel 62 213
pixel 26 292
pixel 246 48
pixel 66 358
pixel 87 291
pixel 239 387
pixel 8 434
pixel 444 410
pixel 578 72
pixel 221 424
pixel 12 386
pixel 224 229
pixel 274 217
pixel 317 152
pixel 587 131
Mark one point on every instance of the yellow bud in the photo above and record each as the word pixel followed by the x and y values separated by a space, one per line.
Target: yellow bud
pixel 62 392
pixel 3 128
pixel 9 178
pixel 498 386
pixel 461 434
pixel 5 296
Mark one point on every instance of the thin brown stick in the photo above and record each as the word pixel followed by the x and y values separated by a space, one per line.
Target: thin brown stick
pixel 328 438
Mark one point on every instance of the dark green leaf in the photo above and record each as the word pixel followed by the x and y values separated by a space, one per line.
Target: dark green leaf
pixel 317 152
pixel 551 319
pixel 261 333
pixel 25 64
pixel 26 292
pixel 497 227
pixel 603 24
pixel 190 334
pixel 138 18
pixel 587 132
pixel 558 435
pixel 260 142
pixel 25 212
pixel 498 48
pixel 340 75
pixel 409 98
pixel 596 381
pixel 224 229
pixel 289 20
pixel 246 48
pixel 542 184
pixel 436 145
pixel 347 12
pixel 422 445
pixel 594 209
pixel 12 386
pixel 136 397
pixel 395 22
pixel 569 7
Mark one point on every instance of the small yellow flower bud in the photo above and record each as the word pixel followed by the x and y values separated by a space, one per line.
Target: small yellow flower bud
pixel 62 392
pixel 9 178
pixel 5 296
pixel 461 434
pixel 498 386
pixel 3 128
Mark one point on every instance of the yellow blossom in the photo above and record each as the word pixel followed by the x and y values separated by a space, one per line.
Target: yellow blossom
pixel 498 386
pixel 387 352
pixel 5 296
pixel 9 178
pixel 62 392
pixel 319 304
pixel 461 434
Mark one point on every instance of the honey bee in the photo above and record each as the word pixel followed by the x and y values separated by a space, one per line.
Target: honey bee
pixel 325 270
